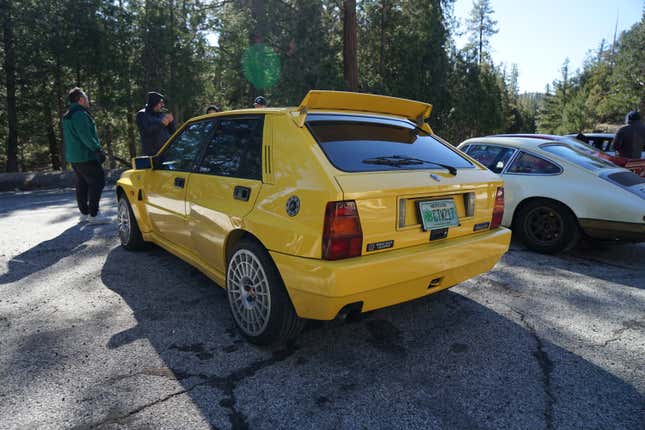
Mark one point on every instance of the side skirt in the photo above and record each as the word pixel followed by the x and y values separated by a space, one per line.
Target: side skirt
pixel 189 257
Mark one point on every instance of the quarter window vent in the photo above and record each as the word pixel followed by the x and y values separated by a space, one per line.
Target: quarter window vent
pixel 626 179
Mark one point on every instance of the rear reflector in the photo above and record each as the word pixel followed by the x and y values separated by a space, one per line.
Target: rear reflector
pixel 498 209
pixel 342 234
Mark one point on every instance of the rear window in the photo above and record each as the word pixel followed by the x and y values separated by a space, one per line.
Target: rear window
pixel 627 179
pixel 353 143
pixel 582 159
pixel 579 145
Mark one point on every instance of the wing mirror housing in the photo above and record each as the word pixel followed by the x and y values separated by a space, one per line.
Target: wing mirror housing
pixel 500 166
pixel 142 163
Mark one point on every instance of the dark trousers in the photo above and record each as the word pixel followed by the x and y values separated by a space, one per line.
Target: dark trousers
pixel 90 181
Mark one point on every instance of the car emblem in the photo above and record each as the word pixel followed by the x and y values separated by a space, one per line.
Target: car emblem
pixel 293 206
pixel 435 177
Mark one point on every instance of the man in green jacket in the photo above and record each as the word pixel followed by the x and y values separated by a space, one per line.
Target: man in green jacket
pixel 83 151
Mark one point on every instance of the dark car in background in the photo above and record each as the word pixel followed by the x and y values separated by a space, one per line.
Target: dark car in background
pixel 600 141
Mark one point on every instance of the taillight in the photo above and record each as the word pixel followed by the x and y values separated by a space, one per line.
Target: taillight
pixel 342 234
pixel 498 209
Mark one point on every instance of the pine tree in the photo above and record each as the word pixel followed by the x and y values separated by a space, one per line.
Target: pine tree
pixel 481 26
pixel 350 57
pixel 6 6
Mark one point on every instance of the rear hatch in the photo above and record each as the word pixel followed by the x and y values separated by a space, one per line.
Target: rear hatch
pixel 398 174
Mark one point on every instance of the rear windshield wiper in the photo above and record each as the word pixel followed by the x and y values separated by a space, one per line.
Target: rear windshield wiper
pixel 398 161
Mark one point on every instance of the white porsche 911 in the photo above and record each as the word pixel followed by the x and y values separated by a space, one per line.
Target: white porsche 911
pixel 554 193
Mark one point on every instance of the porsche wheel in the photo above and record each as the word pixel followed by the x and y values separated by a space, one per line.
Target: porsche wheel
pixel 547 226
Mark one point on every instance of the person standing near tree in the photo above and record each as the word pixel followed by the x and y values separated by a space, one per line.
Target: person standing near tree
pixel 629 142
pixel 212 109
pixel 83 151
pixel 155 124
pixel 259 102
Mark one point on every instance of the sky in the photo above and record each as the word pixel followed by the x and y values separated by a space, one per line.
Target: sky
pixel 538 35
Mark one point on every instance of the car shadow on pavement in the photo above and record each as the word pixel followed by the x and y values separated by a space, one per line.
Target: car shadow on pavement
pixel 48 253
pixel 617 263
pixel 444 362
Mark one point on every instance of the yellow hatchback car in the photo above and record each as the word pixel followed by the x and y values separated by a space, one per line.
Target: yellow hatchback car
pixel 347 203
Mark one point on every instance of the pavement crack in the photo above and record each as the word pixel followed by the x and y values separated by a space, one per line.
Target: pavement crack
pixel 229 383
pixel 121 419
pixel 626 325
pixel 159 372
pixel 546 367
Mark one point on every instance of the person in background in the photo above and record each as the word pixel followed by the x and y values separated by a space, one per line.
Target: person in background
pixel 259 102
pixel 83 151
pixel 155 124
pixel 212 109
pixel 630 139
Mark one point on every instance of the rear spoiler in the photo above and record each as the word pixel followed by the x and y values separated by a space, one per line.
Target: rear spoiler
pixel 417 112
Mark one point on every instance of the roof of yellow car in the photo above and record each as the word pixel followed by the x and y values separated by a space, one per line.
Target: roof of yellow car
pixel 346 102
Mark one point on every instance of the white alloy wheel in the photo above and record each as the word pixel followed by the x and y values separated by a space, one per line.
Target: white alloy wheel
pixel 248 292
pixel 124 221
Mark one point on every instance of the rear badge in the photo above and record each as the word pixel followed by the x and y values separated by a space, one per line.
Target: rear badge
pixel 293 206
pixel 481 226
pixel 380 245
pixel 435 177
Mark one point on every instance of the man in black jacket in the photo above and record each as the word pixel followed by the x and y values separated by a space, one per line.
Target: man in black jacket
pixel 629 142
pixel 155 125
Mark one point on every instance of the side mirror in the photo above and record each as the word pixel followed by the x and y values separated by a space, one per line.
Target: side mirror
pixel 142 163
pixel 499 166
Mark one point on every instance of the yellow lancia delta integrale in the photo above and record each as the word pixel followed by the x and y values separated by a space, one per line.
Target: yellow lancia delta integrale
pixel 345 204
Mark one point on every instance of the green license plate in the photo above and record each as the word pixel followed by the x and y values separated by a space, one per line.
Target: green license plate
pixel 438 214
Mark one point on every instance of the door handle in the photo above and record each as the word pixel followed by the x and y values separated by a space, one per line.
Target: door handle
pixel 242 193
pixel 180 182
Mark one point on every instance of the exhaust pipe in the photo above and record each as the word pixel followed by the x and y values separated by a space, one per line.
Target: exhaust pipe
pixel 350 311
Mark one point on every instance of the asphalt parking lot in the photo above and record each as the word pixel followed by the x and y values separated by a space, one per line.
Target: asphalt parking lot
pixel 93 336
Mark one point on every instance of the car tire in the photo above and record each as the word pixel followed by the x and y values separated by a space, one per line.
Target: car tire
pixel 258 299
pixel 547 227
pixel 129 233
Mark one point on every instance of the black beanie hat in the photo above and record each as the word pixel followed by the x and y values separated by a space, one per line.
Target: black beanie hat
pixel 153 98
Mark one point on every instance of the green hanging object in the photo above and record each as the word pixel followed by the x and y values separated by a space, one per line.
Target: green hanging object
pixel 261 66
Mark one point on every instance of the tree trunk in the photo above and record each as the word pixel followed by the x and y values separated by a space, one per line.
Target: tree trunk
pixel 258 15
pixel 148 54
pixel 481 40
pixel 381 62
pixel 53 144
pixel 109 145
pixel 350 60
pixel 132 145
pixel 10 75
pixel 51 134
pixel 58 83
pixel 174 107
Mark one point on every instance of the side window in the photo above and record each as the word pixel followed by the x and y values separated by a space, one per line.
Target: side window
pixel 531 165
pixel 235 149
pixel 493 157
pixel 182 152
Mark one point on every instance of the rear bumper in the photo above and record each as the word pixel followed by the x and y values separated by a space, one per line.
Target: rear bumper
pixel 319 289
pixel 612 230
